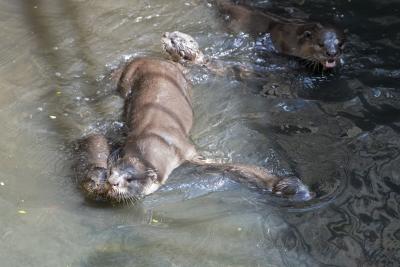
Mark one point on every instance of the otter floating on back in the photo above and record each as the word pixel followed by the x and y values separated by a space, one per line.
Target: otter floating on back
pixel 159 116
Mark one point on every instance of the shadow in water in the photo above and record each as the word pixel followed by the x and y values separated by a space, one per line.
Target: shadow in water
pixel 44 29
pixel 58 64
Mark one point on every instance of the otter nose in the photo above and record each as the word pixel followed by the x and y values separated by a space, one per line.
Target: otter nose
pixel 331 53
pixel 114 180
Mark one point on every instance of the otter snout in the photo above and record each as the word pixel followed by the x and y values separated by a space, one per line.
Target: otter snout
pixel 116 180
pixel 294 189
pixel 332 53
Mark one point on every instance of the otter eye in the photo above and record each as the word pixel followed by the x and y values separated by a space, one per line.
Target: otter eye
pixel 307 34
pixel 130 179
pixel 321 45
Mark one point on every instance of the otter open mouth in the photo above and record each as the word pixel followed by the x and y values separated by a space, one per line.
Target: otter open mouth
pixel 330 63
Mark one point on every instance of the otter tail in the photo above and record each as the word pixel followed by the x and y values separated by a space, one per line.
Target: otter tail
pixel 289 187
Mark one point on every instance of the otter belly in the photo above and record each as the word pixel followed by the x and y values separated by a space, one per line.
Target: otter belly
pixel 159 117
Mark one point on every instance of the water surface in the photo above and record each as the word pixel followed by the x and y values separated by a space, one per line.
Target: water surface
pixel 338 131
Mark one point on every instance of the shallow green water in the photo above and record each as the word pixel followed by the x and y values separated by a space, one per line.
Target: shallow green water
pixel 340 133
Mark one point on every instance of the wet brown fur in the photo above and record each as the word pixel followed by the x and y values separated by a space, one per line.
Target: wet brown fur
pixel 97 153
pixel 159 116
pixel 290 36
pixel 158 113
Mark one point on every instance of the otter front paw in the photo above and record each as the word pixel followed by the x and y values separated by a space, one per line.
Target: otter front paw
pixel 292 188
pixel 98 175
pixel 95 179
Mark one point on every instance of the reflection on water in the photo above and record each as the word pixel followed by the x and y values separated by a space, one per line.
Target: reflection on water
pixel 338 131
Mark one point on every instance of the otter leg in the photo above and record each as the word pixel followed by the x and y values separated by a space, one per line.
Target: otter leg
pixel 127 78
pixel 98 150
pixel 116 74
pixel 97 153
pixel 290 187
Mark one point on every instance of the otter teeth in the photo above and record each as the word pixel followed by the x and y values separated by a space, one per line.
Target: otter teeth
pixel 330 64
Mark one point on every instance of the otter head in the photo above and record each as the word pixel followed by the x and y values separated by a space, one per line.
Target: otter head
pixel 321 44
pixel 293 188
pixel 94 183
pixel 130 179
pixel 182 47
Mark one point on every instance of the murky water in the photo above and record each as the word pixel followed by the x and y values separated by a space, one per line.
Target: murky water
pixel 339 132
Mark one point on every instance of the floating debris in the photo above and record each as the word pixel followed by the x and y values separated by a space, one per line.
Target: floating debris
pixel 22 212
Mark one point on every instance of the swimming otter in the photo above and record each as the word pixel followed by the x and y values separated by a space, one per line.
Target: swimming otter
pixel 182 48
pixel 159 116
pixel 296 37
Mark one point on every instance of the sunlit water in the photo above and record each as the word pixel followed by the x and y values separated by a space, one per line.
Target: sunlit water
pixel 339 132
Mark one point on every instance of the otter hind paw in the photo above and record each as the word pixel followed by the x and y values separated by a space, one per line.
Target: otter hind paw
pixel 293 188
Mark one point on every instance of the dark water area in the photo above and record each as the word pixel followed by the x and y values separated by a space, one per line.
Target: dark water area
pixel 338 131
